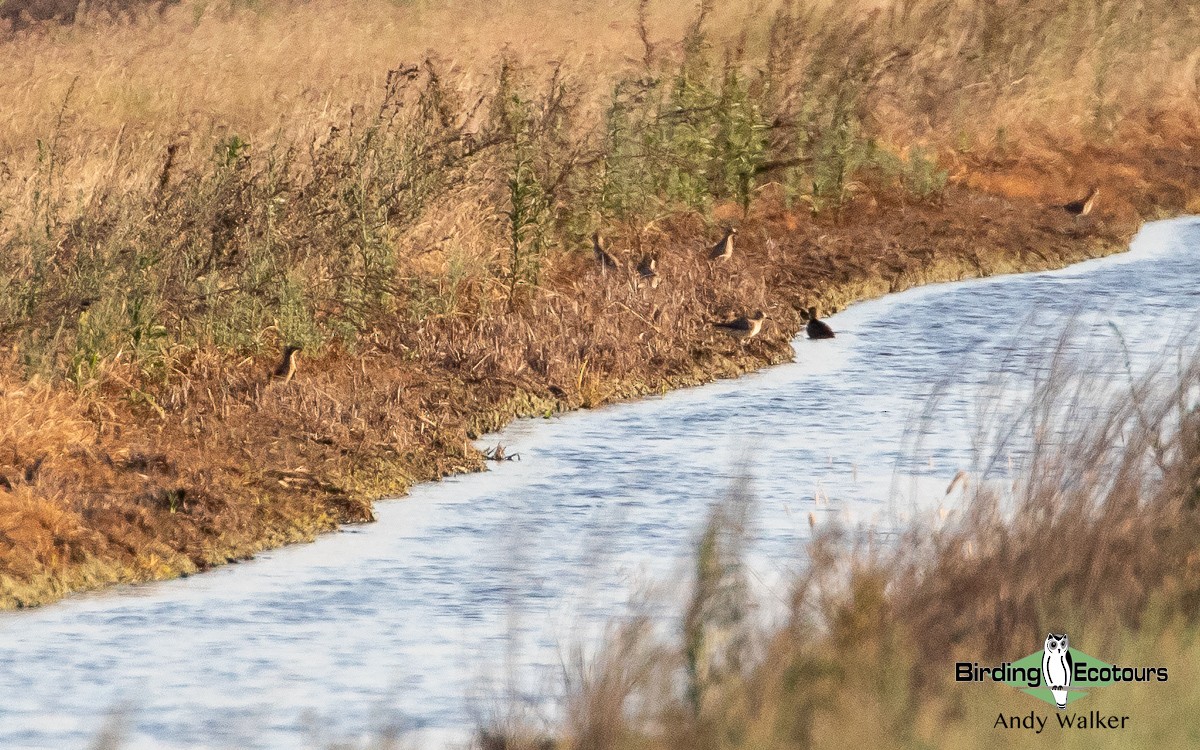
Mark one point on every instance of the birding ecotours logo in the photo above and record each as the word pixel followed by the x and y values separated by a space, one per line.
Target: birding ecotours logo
pixel 1057 666
pixel 1058 675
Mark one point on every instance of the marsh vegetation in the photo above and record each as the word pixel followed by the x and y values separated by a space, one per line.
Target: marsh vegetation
pixel 182 195
pixel 1094 534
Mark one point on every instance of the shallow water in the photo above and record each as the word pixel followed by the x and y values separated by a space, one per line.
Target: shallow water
pixel 409 623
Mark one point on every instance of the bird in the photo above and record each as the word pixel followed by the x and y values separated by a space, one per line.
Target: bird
pixel 604 259
pixel 287 367
pixel 816 329
pixel 744 328
pixel 648 272
pixel 1083 206
pixel 723 250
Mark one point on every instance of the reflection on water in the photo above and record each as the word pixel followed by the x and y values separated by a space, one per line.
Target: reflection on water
pixel 404 624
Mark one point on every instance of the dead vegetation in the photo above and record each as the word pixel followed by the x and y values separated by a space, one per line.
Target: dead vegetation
pixel 1095 535
pixel 420 227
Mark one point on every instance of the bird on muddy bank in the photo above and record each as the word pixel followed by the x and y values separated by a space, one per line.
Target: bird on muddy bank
pixel 604 259
pixel 1083 206
pixel 723 250
pixel 744 328
pixel 816 328
pixel 286 369
pixel 648 272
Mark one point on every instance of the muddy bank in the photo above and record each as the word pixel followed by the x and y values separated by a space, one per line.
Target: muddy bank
pixel 416 217
pixel 228 461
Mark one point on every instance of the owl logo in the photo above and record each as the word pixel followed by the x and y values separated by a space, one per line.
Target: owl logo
pixel 1057 667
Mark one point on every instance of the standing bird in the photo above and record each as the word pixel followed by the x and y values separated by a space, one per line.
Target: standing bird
pixel 723 250
pixel 744 328
pixel 648 272
pixel 816 329
pixel 604 259
pixel 287 368
pixel 1084 206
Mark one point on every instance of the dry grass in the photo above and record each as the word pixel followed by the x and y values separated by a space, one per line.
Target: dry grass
pixel 235 68
pixel 1096 537
pixel 186 191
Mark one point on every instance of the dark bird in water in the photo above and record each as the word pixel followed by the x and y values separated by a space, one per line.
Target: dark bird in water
pixel 648 272
pixel 744 328
pixel 287 367
pixel 723 250
pixel 1083 206
pixel 816 329
pixel 604 259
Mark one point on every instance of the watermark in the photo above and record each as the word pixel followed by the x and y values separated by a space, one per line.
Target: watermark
pixel 1058 675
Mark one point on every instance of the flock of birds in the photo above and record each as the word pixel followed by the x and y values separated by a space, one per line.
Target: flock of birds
pixel 742 328
pixel 747 327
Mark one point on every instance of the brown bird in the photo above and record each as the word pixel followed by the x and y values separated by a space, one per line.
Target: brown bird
pixel 648 272
pixel 604 259
pixel 816 329
pixel 723 250
pixel 287 368
pixel 1084 206
pixel 744 328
